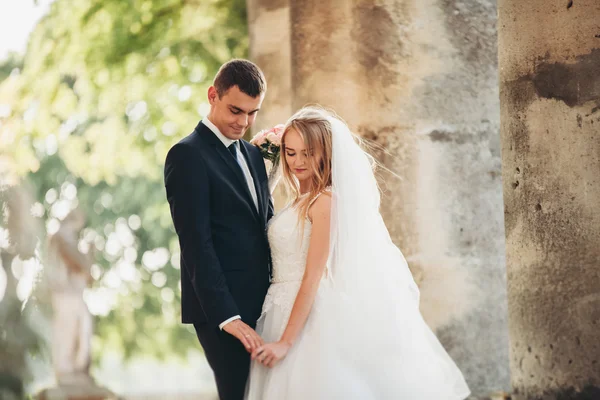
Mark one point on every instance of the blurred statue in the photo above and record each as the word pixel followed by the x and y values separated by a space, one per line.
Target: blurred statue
pixel 68 276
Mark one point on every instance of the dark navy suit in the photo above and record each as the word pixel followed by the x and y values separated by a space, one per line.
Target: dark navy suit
pixel 225 259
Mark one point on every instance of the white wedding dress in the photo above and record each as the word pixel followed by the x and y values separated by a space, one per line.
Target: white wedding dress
pixel 318 366
pixel 365 338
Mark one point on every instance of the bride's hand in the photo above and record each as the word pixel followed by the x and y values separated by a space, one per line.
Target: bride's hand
pixel 271 353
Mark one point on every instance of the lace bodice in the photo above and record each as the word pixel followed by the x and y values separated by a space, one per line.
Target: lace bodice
pixel 289 246
pixel 289 242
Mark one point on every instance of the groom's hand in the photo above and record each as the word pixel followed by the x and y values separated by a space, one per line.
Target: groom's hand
pixel 244 334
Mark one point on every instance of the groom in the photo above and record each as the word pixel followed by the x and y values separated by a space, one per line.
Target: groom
pixel 220 203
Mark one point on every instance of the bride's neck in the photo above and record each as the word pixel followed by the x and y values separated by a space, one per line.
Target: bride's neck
pixel 305 186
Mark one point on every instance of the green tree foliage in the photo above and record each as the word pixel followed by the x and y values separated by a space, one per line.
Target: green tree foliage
pixel 87 116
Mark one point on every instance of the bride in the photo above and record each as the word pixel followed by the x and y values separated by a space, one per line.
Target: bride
pixel 341 319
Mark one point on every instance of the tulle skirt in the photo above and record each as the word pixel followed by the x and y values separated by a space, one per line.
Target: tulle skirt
pixel 389 354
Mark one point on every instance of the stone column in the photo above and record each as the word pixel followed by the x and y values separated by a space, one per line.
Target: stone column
pixel 420 79
pixel 269 29
pixel 549 55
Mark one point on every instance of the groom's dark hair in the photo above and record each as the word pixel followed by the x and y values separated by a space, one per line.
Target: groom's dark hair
pixel 241 73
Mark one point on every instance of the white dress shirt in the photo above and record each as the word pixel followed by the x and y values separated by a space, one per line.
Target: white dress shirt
pixel 249 180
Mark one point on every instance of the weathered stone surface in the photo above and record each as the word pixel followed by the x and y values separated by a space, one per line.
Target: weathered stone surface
pixel 549 55
pixel 420 79
pixel 269 29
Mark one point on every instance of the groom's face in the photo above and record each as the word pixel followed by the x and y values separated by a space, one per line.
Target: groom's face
pixel 234 112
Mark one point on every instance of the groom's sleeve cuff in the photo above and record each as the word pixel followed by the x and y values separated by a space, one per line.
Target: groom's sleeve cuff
pixel 222 324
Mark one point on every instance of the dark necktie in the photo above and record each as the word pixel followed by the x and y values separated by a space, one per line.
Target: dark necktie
pixel 233 150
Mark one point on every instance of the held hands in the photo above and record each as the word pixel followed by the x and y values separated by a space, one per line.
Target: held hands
pixel 271 353
pixel 244 334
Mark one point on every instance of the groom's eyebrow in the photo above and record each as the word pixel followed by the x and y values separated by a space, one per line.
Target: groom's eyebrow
pixel 241 110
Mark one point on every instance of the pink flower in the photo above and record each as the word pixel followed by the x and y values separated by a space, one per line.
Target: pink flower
pixel 273 138
pixel 260 138
pixel 274 134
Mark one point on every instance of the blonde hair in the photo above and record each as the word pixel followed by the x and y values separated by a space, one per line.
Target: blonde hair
pixel 312 125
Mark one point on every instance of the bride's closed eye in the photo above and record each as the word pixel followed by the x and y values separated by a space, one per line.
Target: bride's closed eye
pixel 305 153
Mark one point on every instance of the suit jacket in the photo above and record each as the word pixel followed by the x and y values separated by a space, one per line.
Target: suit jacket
pixel 225 256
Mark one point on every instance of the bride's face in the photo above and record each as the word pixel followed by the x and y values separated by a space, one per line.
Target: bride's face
pixel 297 156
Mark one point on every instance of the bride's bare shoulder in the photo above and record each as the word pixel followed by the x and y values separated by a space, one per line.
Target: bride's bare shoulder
pixel 320 206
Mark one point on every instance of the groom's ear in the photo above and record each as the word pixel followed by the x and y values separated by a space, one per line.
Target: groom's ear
pixel 212 95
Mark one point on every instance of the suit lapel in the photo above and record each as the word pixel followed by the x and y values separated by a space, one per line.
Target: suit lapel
pixel 232 164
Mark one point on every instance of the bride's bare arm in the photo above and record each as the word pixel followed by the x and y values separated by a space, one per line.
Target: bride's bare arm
pixel 318 251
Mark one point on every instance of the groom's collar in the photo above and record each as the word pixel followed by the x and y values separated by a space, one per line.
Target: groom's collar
pixel 225 140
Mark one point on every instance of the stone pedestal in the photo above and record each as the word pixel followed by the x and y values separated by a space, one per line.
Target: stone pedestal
pixel 77 391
